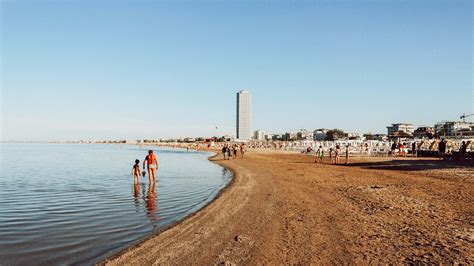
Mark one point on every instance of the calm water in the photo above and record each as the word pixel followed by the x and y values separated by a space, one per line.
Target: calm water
pixel 71 203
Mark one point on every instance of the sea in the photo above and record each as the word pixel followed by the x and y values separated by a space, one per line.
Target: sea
pixel 78 204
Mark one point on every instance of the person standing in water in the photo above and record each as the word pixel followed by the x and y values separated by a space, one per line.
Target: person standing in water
pixel 136 171
pixel 152 162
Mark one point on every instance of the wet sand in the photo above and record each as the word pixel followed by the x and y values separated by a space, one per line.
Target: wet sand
pixel 284 208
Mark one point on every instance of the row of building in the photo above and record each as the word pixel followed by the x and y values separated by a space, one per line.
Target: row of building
pixel 443 129
pixel 304 134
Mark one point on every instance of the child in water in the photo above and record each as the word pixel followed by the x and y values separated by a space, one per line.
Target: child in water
pixel 136 172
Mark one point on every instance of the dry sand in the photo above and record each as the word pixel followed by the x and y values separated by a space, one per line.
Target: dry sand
pixel 284 209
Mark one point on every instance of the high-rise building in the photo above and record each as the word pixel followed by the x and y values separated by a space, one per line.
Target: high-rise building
pixel 244 115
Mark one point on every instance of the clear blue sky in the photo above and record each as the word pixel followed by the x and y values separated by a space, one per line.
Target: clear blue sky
pixel 128 69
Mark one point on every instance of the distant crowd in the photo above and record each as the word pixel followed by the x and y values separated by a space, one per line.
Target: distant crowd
pixel 334 154
pixel 447 154
pixel 230 151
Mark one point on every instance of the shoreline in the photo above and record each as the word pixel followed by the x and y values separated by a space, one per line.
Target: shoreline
pixel 284 209
pixel 157 232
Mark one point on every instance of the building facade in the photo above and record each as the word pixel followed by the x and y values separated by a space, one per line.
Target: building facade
pixel 454 128
pixel 244 115
pixel 424 132
pixel 304 134
pixel 320 134
pixel 259 135
pixel 400 127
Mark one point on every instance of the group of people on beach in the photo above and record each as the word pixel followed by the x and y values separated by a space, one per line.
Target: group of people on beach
pixel 334 154
pixel 229 151
pixel 151 163
pixel 447 154
pixel 400 149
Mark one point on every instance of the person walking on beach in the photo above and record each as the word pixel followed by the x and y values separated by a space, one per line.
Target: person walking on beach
pixel 136 171
pixel 224 151
pixel 228 152
pixel 463 151
pixel 242 150
pixel 152 162
pixel 319 154
pixel 442 149
pixel 338 152
pixel 413 149
pixel 392 149
pixel 234 149
pixel 330 155
pixel 347 153
pixel 401 149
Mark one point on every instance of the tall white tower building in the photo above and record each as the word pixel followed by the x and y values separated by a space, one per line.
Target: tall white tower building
pixel 244 115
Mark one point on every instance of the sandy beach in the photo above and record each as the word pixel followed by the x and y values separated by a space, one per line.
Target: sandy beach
pixel 285 209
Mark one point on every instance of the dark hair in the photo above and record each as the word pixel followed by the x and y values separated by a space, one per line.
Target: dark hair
pixel 150 151
pixel 137 161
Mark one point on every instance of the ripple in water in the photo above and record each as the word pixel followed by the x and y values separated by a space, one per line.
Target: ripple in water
pixel 76 204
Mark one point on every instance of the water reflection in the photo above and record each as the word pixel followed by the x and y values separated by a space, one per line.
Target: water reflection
pixel 149 199
pixel 150 202
pixel 136 196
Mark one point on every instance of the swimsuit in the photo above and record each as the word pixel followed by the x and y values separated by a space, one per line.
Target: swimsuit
pixel 151 161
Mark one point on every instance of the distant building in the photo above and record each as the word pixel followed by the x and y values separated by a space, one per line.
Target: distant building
pixel 381 137
pixel 277 137
pixel 353 136
pixel 226 138
pixel 244 115
pixel 290 136
pixel 259 135
pixel 439 127
pixel 269 136
pixel 400 128
pixel 304 134
pixel 424 132
pixel 320 134
pixel 454 128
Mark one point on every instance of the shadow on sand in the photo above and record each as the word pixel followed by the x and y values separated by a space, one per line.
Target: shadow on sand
pixel 412 165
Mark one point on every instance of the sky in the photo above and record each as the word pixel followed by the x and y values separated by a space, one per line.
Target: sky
pixel 158 69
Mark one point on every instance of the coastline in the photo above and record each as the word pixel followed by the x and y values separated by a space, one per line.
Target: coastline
pixel 156 233
pixel 283 208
